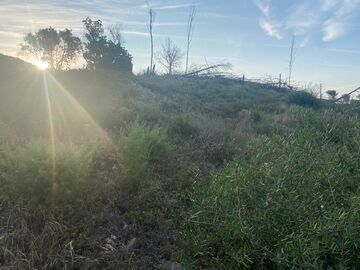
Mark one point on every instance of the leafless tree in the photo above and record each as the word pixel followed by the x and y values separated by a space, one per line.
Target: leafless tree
pixel 292 58
pixel 150 26
pixel 190 32
pixel 115 32
pixel 170 56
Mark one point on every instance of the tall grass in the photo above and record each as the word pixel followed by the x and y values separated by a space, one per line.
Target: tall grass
pixel 139 148
pixel 295 204
pixel 28 177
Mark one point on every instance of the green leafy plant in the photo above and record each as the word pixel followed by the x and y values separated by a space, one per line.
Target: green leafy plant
pixel 141 147
pixel 30 176
pixel 293 205
pixel 304 99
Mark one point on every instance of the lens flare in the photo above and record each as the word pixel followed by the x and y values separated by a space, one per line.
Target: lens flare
pixel 51 133
pixel 67 120
pixel 41 65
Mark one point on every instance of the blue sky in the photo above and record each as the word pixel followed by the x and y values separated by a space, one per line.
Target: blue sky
pixel 254 35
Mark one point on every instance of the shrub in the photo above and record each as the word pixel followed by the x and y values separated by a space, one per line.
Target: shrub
pixel 256 116
pixel 305 99
pixel 27 175
pixel 181 128
pixel 294 205
pixel 141 147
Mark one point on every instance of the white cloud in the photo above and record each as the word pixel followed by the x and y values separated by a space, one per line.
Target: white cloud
pixel 333 18
pixel 270 28
pixel 263 6
pixel 301 18
pixel 304 43
pixel 327 5
pixel 161 6
pixel 344 51
pixel 341 20
pixel 332 30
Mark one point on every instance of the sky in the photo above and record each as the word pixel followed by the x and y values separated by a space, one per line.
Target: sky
pixel 253 35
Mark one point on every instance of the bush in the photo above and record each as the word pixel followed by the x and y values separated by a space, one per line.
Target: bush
pixel 294 205
pixel 182 129
pixel 27 176
pixel 140 148
pixel 305 99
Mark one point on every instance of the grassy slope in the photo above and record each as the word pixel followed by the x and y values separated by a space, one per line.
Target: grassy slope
pixel 131 202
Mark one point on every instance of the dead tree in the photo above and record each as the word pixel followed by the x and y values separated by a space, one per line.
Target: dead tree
pixel 212 70
pixel 170 56
pixel 347 95
pixel 151 23
pixel 292 59
pixel 190 32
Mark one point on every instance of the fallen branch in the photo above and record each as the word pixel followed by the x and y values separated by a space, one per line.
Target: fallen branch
pixel 357 89
pixel 214 69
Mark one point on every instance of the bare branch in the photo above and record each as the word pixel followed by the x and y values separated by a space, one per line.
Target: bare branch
pixel 170 56
pixel 115 32
pixel 213 70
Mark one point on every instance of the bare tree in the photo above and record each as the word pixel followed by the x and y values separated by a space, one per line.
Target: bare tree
pixel 151 23
pixel 190 32
pixel 292 59
pixel 170 56
pixel 115 32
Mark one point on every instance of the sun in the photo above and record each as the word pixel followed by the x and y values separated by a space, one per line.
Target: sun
pixel 41 65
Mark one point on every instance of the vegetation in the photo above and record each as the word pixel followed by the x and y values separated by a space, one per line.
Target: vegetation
pixel 102 169
pixel 170 56
pixel 304 99
pixel 58 49
pixel 332 94
pixel 292 204
pixel 101 53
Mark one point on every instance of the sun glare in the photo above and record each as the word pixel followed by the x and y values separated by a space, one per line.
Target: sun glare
pixel 41 65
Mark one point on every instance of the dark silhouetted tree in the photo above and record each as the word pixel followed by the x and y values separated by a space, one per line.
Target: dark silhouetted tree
pixel 170 56
pixel 332 94
pixel 58 49
pixel 103 53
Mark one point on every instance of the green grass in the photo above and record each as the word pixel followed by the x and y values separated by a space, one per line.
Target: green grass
pixel 141 147
pixel 292 204
pixel 29 177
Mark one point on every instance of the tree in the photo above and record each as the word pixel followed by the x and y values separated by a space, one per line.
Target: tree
pixel 95 44
pixel 170 57
pixel 332 94
pixel 190 31
pixel 115 34
pixel 70 47
pixel 151 22
pixel 292 59
pixel 57 49
pixel 103 53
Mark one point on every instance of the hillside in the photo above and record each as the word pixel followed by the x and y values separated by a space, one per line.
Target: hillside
pixel 104 171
